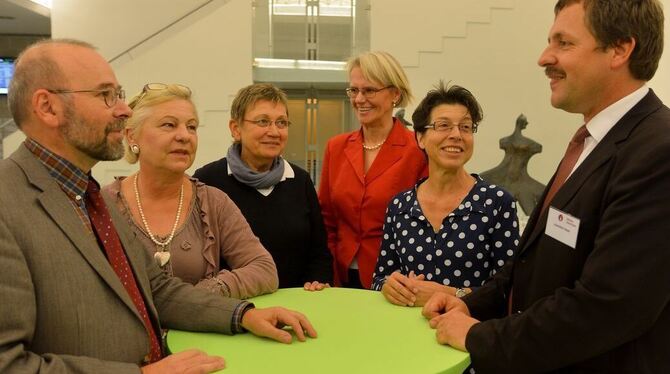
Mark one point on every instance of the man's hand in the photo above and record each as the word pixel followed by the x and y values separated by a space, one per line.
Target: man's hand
pixel 192 361
pixel 398 290
pixel 441 303
pixel 269 322
pixel 452 328
pixel 315 286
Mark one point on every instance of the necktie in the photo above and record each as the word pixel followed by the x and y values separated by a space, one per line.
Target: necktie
pixel 109 239
pixel 567 164
pixel 570 158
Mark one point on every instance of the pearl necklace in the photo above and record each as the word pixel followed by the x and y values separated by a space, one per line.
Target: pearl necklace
pixel 373 147
pixel 144 220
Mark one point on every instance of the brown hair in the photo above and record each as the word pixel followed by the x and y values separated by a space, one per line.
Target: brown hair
pixel 248 96
pixel 614 21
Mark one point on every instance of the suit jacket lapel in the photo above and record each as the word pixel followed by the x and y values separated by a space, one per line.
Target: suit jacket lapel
pixel 134 256
pixel 56 204
pixel 392 151
pixel 354 153
pixel 602 153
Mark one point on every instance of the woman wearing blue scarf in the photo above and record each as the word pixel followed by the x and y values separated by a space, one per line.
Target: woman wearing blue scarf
pixel 276 197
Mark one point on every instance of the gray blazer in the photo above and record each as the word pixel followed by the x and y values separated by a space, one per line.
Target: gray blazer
pixel 63 309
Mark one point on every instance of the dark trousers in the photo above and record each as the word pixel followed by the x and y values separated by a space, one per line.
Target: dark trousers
pixel 354 280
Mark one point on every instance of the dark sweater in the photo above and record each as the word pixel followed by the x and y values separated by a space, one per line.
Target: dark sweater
pixel 288 222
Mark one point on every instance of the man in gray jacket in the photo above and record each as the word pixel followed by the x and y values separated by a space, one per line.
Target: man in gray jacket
pixel 79 294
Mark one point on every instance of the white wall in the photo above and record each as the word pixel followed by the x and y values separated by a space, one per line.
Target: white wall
pixel 661 81
pixel 209 51
pixel 488 46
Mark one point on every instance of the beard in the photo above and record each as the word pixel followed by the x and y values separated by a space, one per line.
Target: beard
pixel 82 135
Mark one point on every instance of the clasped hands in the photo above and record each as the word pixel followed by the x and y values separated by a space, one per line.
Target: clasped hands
pixel 411 290
pixel 451 319
pixel 266 322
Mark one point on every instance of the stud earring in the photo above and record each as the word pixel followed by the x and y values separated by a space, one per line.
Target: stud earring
pixel 135 149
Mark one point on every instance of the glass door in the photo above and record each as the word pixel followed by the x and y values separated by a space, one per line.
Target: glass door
pixel 317 115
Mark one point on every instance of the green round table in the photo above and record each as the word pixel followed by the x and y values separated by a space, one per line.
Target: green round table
pixel 359 332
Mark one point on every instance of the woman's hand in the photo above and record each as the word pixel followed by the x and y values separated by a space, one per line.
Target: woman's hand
pixel 425 289
pixel 315 286
pixel 398 290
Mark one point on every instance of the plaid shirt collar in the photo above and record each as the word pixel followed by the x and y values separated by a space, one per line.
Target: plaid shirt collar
pixel 69 177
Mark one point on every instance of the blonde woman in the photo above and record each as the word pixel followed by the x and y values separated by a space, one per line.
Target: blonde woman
pixel 363 169
pixel 193 231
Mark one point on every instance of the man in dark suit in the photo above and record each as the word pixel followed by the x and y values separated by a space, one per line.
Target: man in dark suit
pixel 79 293
pixel 588 291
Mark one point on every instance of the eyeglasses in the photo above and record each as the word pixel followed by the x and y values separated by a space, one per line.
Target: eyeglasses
pixel 264 122
pixel 158 87
pixel 464 128
pixel 367 92
pixel 109 95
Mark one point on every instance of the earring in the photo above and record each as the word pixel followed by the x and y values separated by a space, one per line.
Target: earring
pixel 135 149
pixel 395 104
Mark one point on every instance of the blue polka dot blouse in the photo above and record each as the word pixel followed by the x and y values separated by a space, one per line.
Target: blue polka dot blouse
pixel 474 241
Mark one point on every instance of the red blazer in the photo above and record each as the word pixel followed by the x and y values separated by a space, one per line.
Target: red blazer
pixel 354 203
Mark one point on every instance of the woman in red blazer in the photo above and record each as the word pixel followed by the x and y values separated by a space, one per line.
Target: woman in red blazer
pixel 364 169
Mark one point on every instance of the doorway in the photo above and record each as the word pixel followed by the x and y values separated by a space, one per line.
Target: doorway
pixel 316 115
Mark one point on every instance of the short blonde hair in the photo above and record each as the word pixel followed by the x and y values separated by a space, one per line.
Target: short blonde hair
pixel 142 105
pixel 383 68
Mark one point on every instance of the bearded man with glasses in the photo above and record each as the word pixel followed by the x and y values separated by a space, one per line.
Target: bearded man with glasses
pixel 79 293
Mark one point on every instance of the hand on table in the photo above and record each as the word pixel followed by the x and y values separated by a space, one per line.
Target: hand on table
pixel 440 303
pixel 451 317
pixel 191 361
pixel 315 286
pixel 424 289
pixel 411 290
pixel 452 328
pixel 268 322
pixel 398 290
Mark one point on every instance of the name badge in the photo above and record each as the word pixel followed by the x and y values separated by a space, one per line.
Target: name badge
pixel 562 227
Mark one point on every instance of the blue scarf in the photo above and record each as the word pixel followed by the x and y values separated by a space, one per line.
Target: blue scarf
pixel 252 178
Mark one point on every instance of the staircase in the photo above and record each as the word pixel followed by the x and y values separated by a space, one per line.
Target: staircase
pixel 430 22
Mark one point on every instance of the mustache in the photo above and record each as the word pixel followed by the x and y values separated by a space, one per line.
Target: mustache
pixel 118 125
pixel 551 71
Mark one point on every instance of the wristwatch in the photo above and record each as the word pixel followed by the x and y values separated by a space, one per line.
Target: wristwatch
pixel 460 292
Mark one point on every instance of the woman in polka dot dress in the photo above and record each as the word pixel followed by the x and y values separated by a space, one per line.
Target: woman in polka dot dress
pixel 452 231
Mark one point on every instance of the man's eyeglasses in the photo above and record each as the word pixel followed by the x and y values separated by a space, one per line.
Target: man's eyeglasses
pixel 464 128
pixel 158 87
pixel 367 92
pixel 264 122
pixel 110 95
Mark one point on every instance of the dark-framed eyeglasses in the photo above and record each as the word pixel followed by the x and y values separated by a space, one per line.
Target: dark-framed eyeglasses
pixel 368 92
pixel 442 126
pixel 264 122
pixel 110 95
pixel 158 87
